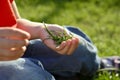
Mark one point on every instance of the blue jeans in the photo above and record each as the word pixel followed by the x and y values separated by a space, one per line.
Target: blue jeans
pixel 84 60
pixel 23 69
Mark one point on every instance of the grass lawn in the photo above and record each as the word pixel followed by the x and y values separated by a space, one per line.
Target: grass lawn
pixel 100 19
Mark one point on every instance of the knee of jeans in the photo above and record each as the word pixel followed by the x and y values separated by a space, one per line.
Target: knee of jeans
pixel 23 69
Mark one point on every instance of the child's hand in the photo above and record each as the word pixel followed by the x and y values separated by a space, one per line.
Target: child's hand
pixel 38 30
pixel 59 39
pixel 13 43
pixel 68 47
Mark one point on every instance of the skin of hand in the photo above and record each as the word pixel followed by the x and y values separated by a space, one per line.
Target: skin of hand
pixel 66 47
pixel 13 43
pixel 37 30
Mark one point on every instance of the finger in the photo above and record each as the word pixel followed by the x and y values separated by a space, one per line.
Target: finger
pixel 18 51
pixel 9 43
pixel 11 54
pixel 17 33
pixel 73 46
pixel 66 48
pixel 61 46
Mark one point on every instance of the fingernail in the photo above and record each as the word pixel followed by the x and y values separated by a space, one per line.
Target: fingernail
pixel 57 47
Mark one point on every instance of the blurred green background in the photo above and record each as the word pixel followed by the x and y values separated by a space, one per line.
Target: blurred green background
pixel 100 19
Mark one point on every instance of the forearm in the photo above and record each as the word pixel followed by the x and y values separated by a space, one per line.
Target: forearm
pixel 14 7
pixel 33 29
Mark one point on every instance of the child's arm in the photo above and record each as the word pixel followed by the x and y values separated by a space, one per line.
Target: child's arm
pixel 15 10
pixel 37 29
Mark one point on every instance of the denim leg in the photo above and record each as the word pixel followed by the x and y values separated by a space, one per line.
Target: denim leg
pixel 84 60
pixel 23 69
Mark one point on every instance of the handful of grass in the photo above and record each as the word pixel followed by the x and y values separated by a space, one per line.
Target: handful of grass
pixel 58 37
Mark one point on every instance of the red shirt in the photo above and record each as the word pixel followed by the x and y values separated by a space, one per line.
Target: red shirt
pixel 7 17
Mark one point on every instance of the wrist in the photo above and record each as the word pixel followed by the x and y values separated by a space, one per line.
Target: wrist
pixel 33 28
pixel 37 30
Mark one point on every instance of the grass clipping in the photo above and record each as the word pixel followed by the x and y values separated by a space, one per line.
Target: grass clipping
pixel 58 37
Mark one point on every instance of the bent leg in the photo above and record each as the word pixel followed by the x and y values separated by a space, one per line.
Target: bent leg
pixel 23 69
pixel 84 60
